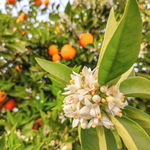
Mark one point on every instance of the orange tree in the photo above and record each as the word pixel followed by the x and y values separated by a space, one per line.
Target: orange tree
pixel 36 93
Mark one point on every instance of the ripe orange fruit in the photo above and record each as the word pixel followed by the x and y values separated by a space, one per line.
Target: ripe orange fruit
pixel 46 2
pixel 22 16
pixel 9 104
pixel 11 2
pixel 140 6
pixel 35 127
pixel 18 67
pixel 85 39
pixel 58 30
pixel 56 57
pixel 39 120
pixel 1 105
pixel 53 49
pixel 2 96
pixel 38 2
pixel 23 32
pixel 68 52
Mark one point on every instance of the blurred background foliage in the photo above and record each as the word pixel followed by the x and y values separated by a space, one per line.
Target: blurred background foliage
pixel 31 115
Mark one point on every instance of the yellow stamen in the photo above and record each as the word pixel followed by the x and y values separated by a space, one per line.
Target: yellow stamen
pixel 82 74
pixel 119 114
pixel 75 116
pixel 94 125
pixel 122 97
pixel 112 90
pixel 103 100
pixel 72 81
pixel 96 77
pixel 92 92
pixel 99 116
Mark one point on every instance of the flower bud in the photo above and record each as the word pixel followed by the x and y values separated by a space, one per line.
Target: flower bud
pixel 84 110
pixel 88 96
pixel 110 99
pixel 96 98
pixel 84 124
pixel 103 89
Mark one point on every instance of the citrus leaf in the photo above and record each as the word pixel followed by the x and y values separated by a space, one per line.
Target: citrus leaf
pixel 132 134
pixel 124 46
pixel 37 147
pixel 58 70
pixel 110 29
pixel 139 117
pixel 106 139
pixel 131 87
pixel 89 139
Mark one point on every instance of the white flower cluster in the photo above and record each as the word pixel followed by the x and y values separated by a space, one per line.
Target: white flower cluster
pixel 87 102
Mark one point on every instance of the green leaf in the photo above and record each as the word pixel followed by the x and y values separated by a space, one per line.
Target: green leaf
pixel 37 147
pixel 16 46
pixel 139 117
pixel 131 87
pixel 77 69
pixel 10 117
pixel 125 75
pixel 124 46
pixel 106 139
pixel 68 8
pixel 58 70
pixel 13 140
pixel 54 17
pixel 110 29
pixel 7 86
pixel 132 134
pixel 3 142
pixel 89 139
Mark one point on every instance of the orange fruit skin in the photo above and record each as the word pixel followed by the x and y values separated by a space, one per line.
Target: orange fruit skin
pixel 140 6
pixel 2 97
pixel 58 30
pixel 22 16
pixel 68 52
pixel 46 2
pixel 1 105
pixel 53 49
pixel 56 57
pixel 10 104
pixel 35 127
pixel 85 39
pixel 23 32
pixel 39 120
pixel 38 2
pixel 11 2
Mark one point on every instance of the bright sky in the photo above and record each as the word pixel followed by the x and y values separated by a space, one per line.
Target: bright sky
pixel 40 17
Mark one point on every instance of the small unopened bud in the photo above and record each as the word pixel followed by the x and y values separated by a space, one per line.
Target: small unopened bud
pixel 110 99
pixel 103 89
pixel 119 114
pixel 89 97
pixel 96 98
pixel 84 124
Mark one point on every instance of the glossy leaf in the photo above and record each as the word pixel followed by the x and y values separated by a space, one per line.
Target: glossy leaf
pixel 124 46
pixel 139 117
pixel 89 139
pixel 106 139
pixel 58 70
pixel 37 147
pixel 3 142
pixel 132 87
pixel 132 134
pixel 110 29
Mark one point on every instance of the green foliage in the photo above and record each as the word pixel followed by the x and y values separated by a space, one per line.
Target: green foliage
pixel 117 57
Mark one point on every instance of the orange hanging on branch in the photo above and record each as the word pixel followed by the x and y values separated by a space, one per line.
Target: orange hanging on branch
pixel 46 2
pixel 56 57
pixel 10 104
pixel 68 52
pixel 85 39
pixel 38 2
pixel 53 49
pixel 2 96
pixel 11 2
